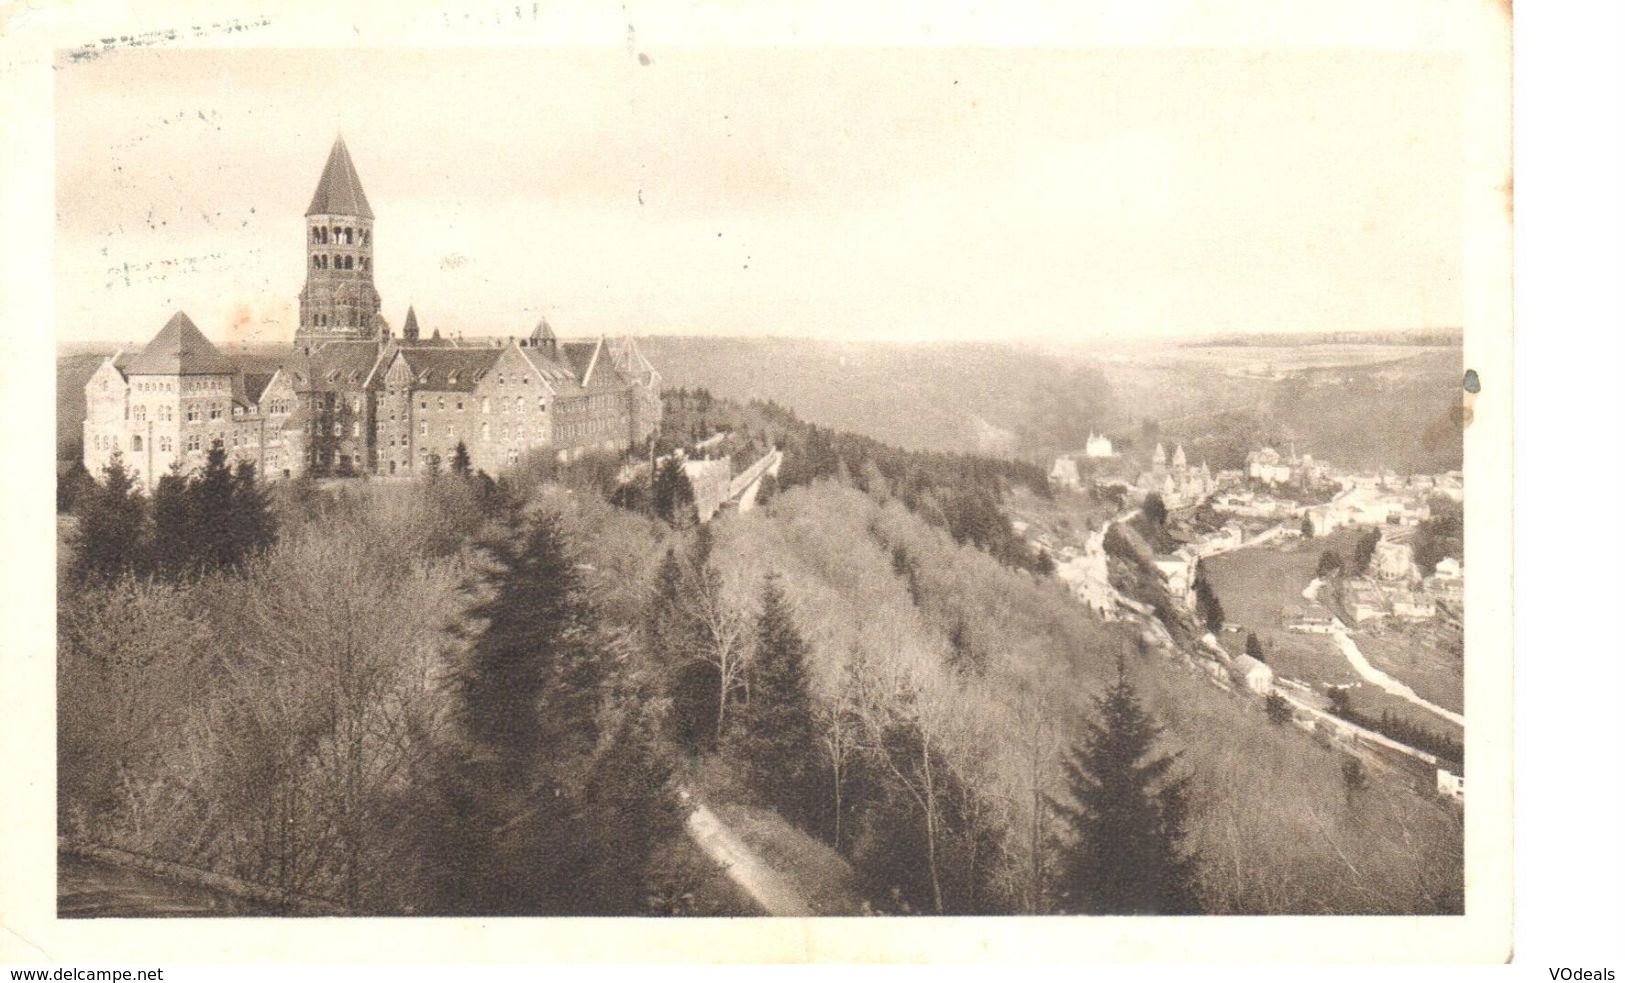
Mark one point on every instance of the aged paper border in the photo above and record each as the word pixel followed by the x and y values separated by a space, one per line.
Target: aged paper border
pixel 1479 30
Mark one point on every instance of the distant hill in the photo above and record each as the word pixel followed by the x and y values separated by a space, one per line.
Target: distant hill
pixel 985 398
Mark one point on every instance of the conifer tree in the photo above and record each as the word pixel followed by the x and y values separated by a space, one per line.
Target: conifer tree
pixel 673 494
pixel 530 682
pixel 1156 511
pixel 111 535
pixel 253 524
pixel 215 523
pixel 460 464
pixel 1254 648
pixel 563 792
pixel 174 526
pixel 778 730
pixel 1207 603
pixel 1127 814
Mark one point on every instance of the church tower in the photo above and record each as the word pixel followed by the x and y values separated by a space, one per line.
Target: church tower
pixel 339 301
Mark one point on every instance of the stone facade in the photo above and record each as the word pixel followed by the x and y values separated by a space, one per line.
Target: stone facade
pixel 350 398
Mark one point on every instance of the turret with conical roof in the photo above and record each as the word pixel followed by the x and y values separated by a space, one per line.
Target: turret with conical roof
pixel 1179 456
pixel 339 300
pixel 543 336
pixel 409 330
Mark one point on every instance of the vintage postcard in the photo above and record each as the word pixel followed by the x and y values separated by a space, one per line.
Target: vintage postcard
pixel 539 482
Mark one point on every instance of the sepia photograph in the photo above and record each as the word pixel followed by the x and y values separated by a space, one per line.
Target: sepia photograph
pixel 709 484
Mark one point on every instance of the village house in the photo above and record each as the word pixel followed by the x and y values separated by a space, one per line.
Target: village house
pixel 1413 606
pixel 1065 473
pixel 1311 618
pixel 1392 560
pixel 1364 601
pixel 1253 674
pixel 1451 785
pixel 1178 571
pixel 1098 446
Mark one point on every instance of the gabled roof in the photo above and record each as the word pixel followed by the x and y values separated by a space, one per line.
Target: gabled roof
pixel 591 364
pixel 330 367
pixel 179 349
pixel 339 191
pixel 449 369
pixel 254 384
pixel 554 368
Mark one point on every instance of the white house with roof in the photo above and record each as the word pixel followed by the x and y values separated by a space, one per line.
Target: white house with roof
pixel 1253 674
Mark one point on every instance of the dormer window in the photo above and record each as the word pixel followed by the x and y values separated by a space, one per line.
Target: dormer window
pixel 451 380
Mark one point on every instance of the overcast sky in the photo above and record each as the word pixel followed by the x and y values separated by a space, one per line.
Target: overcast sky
pixel 846 193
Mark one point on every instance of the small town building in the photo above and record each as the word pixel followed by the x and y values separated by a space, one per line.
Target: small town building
pixel 1414 606
pixel 1098 446
pixel 1451 785
pixel 1253 674
pixel 1364 601
pixel 1065 473
pixel 1392 561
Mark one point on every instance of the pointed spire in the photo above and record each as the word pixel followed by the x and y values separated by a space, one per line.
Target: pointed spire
pixel 409 330
pixel 543 332
pixel 339 191
pixel 1159 456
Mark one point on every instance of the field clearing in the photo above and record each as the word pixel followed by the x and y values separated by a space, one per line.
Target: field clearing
pixel 1255 584
pixel 1294 357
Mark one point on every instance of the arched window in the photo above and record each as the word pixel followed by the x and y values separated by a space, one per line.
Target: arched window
pixel 349 236
pixel 485 431
pixel 315 261
pixel 135 442
pixel 349 262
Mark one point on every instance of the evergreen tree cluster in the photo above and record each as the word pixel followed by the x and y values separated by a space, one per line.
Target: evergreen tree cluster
pixel 214 519
pixel 1127 814
pixel 1208 607
pixel 561 790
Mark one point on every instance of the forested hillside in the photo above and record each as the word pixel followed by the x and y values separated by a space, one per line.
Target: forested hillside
pixel 475 695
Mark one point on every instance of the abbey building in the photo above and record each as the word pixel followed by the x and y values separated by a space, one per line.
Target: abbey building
pixel 352 396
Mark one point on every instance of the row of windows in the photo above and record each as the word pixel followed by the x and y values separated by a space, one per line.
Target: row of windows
pixel 155 387
pixel 338 235
pixel 321 261
pixel 166 443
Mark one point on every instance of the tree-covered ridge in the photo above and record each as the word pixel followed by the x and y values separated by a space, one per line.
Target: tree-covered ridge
pixel 957 492
pixel 477 695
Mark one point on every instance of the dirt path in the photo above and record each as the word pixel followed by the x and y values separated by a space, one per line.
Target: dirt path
pixel 766 886
pixel 1372 674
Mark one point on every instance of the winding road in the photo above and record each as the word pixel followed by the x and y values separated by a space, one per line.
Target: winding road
pixel 1372 674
